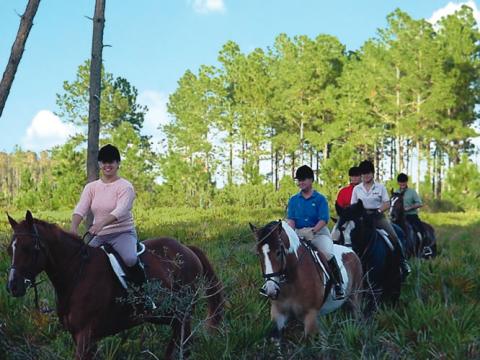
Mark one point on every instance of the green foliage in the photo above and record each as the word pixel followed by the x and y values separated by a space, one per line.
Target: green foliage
pixel 463 185
pixel 437 316
pixel 118 101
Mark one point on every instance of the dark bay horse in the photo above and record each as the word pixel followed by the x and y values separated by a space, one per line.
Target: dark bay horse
pixel 294 283
pixel 416 245
pixel 380 263
pixel 86 289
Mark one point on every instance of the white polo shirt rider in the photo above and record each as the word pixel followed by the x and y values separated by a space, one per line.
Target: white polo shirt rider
pixel 372 199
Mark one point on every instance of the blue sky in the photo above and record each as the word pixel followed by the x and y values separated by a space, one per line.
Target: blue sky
pixel 155 41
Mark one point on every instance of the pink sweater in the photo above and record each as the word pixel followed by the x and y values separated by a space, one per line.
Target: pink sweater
pixel 103 199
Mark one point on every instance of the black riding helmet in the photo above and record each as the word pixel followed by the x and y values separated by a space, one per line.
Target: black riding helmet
pixel 304 172
pixel 402 178
pixel 354 171
pixel 108 154
pixel 366 167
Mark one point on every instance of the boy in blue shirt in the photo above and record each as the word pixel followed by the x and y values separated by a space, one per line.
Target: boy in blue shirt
pixel 308 214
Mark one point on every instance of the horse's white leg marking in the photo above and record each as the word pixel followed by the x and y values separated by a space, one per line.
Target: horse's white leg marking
pixel 279 318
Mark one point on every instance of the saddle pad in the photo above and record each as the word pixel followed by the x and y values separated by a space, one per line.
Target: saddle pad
pixel 384 236
pixel 116 267
pixel 330 303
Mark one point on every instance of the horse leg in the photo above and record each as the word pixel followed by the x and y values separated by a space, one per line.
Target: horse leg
pixel 279 321
pixel 310 322
pixel 85 345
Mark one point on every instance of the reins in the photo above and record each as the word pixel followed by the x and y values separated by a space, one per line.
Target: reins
pixel 30 279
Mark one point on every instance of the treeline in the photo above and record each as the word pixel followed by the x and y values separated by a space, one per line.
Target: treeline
pixel 406 99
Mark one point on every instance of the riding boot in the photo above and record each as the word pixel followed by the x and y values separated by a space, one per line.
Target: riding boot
pixel 136 274
pixel 404 266
pixel 138 277
pixel 337 278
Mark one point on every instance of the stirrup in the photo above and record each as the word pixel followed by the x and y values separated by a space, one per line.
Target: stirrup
pixel 427 251
pixel 339 294
pixel 405 269
pixel 149 303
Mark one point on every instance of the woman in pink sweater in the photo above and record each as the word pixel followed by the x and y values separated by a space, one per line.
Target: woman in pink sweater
pixel 110 200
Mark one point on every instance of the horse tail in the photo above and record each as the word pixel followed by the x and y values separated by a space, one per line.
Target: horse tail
pixel 214 290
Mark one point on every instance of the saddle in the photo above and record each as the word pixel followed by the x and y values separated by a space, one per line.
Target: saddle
pixel 118 266
pixel 384 235
pixel 321 264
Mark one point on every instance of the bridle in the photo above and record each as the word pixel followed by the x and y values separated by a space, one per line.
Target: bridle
pixel 282 273
pixel 29 277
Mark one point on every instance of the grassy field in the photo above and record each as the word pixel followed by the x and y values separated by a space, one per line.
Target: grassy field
pixel 438 316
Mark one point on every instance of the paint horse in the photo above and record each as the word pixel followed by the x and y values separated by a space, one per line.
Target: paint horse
pixel 296 283
pixel 87 290
pixel 418 245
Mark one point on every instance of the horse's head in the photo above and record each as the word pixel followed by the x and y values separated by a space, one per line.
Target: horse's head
pixel 28 258
pixel 397 209
pixel 272 252
pixel 353 221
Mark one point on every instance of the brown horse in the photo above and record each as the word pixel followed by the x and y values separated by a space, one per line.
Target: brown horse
pixel 294 282
pixel 87 291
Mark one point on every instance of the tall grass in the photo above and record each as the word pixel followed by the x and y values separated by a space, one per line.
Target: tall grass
pixel 438 315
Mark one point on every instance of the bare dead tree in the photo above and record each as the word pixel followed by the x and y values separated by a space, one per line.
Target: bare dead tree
pixel 16 53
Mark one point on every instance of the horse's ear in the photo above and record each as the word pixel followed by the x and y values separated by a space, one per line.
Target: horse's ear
pixel 252 227
pixel 360 204
pixel 29 218
pixel 12 221
pixel 392 192
pixel 279 226
pixel 334 219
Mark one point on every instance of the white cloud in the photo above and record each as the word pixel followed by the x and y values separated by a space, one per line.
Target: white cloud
pixel 45 131
pixel 157 115
pixel 208 6
pixel 451 7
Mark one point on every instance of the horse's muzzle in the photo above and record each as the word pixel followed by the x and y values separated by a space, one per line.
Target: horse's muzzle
pixel 16 284
pixel 274 295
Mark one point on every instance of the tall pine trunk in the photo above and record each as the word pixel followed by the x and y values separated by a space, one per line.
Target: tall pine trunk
pixel 95 94
pixel 419 163
pixel 276 170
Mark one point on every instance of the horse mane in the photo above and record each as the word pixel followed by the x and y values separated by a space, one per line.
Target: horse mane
pixel 267 229
pixel 58 232
pixel 293 240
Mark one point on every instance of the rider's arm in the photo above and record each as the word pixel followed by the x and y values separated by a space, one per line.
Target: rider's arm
pixel 124 203
pixel 291 223
pixel 321 224
pixel 414 206
pixel 76 220
pixel 82 208
pixel 95 228
pixel 323 215
pixel 385 200
pixel 385 206
pixel 417 202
